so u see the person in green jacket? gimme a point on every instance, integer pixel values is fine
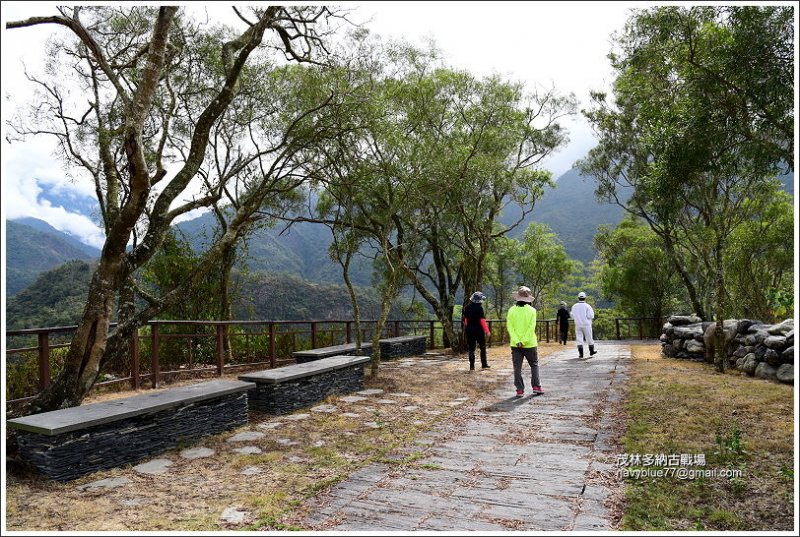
(521, 325)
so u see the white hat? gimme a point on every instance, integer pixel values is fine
(581, 295)
(523, 294)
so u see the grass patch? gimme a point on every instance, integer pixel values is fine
(739, 424)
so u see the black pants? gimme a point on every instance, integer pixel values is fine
(563, 334)
(472, 339)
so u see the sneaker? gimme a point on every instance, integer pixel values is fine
(520, 393)
(487, 366)
(538, 389)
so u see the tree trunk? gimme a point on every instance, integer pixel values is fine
(83, 360)
(687, 282)
(389, 293)
(720, 358)
(353, 300)
(225, 303)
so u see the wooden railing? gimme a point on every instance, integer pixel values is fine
(639, 327)
(168, 348)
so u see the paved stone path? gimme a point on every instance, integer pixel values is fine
(504, 463)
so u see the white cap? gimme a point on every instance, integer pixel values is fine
(581, 295)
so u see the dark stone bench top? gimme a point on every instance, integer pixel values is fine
(83, 417)
(332, 351)
(401, 339)
(291, 372)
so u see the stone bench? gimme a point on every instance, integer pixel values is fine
(72, 442)
(285, 389)
(396, 347)
(348, 349)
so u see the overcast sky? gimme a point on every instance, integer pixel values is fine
(560, 44)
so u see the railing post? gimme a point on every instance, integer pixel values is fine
(491, 331)
(313, 334)
(44, 361)
(616, 321)
(348, 329)
(272, 345)
(641, 335)
(154, 365)
(220, 349)
(397, 329)
(433, 336)
(136, 382)
(547, 331)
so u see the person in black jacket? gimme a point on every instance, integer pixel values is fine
(476, 330)
(563, 323)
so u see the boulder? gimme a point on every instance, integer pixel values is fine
(790, 338)
(775, 342)
(760, 352)
(694, 347)
(709, 341)
(745, 324)
(750, 364)
(740, 363)
(758, 327)
(772, 357)
(756, 337)
(785, 373)
(782, 329)
(663, 338)
(680, 320)
(668, 351)
(678, 344)
(787, 357)
(690, 331)
(766, 371)
(741, 352)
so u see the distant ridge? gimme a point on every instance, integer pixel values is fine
(34, 246)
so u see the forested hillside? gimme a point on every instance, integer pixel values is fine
(33, 246)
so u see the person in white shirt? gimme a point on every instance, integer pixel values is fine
(582, 313)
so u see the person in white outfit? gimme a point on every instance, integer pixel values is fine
(582, 313)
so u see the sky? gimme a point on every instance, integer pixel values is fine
(542, 44)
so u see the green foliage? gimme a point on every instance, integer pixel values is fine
(759, 263)
(56, 298)
(694, 137)
(541, 262)
(635, 272)
(22, 372)
(171, 266)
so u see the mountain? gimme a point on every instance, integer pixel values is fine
(33, 246)
(302, 250)
(55, 298)
(280, 296)
(572, 212)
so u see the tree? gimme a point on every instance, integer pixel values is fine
(541, 262)
(501, 275)
(698, 146)
(635, 272)
(760, 262)
(157, 86)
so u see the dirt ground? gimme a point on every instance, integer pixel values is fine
(298, 456)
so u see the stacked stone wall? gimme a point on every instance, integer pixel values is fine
(758, 349)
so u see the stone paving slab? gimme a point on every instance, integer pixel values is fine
(513, 464)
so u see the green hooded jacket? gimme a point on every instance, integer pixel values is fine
(521, 325)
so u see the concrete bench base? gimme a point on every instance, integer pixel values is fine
(286, 389)
(397, 347)
(348, 349)
(63, 448)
